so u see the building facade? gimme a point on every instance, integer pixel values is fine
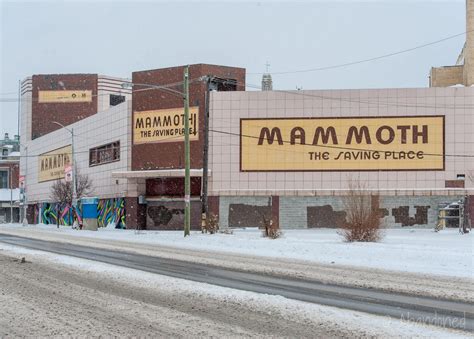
(292, 156)
(9, 179)
(137, 176)
(295, 156)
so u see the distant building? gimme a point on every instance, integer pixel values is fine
(267, 83)
(9, 176)
(462, 73)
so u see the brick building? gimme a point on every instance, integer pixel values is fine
(293, 156)
(273, 153)
(9, 176)
(138, 182)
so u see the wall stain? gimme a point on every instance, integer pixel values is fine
(162, 216)
(241, 215)
(402, 215)
(324, 216)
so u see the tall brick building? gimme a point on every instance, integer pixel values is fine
(292, 156)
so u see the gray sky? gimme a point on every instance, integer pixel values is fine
(117, 38)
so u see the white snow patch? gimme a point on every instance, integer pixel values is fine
(446, 253)
(373, 325)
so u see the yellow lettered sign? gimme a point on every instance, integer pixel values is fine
(164, 125)
(64, 96)
(51, 164)
(342, 144)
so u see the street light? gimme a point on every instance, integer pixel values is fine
(187, 164)
(73, 165)
(11, 192)
(25, 196)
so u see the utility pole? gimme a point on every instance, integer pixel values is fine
(73, 165)
(25, 194)
(19, 108)
(205, 165)
(187, 179)
(11, 194)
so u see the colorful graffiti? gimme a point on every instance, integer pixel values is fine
(111, 211)
(48, 213)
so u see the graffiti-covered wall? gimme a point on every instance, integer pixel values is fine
(109, 211)
(49, 213)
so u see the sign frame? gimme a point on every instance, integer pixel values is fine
(443, 117)
(65, 96)
(41, 177)
(139, 140)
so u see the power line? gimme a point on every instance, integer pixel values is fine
(377, 102)
(258, 137)
(365, 60)
(158, 87)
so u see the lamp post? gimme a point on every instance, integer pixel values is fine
(73, 165)
(187, 164)
(11, 194)
(23, 189)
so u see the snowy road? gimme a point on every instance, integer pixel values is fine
(40, 300)
(54, 295)
(377, 302)
(446, 258)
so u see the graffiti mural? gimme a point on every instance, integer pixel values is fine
(111, 211)
(49, 213)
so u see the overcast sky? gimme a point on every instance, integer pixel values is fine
(117, 38)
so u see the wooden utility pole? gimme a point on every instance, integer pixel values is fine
(187, 164)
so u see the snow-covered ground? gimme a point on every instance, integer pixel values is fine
(356, 324)
(446, 253)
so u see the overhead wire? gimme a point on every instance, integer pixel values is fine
(106, 94)
(252, 137)
(365, 60)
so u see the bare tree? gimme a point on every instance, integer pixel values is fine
(363, 220)
(61, 191)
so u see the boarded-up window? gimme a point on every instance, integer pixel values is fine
(104, 154)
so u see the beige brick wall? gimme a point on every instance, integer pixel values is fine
(446, 76)
(227, 108)
(101, 128)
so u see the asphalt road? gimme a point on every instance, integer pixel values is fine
(459, 315)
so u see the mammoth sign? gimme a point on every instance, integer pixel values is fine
(51, 165)
(342, 144)
(164, 125)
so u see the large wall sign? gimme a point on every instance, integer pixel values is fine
(164, 125)
(342, 144)
(64, 96)
(51, 165)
